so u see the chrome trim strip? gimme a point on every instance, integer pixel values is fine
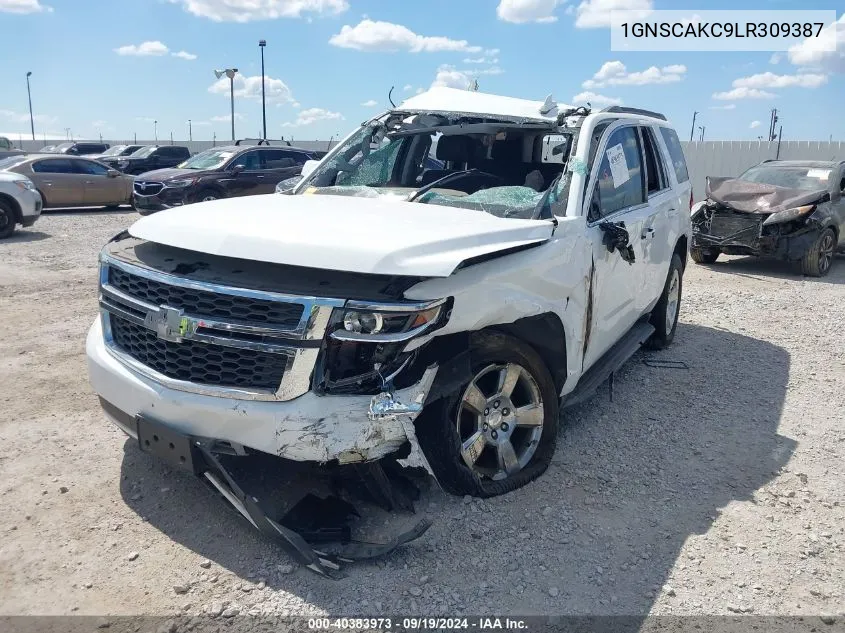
(394, 307)
(396, 337)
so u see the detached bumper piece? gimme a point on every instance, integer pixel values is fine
(317, 521)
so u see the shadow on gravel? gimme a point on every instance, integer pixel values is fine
(776, 269)
(124, 210)
(599, 533)
(26, 235)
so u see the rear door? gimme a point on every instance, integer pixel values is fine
(281, 164)
(59, 182)
(100, 188)
(616, 196)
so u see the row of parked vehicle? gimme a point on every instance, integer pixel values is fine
(150, 178)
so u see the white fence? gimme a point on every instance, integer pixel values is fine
(194, 146)
(731, 158)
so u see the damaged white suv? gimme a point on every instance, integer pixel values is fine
(438, 311)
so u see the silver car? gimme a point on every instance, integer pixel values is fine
(20, 203)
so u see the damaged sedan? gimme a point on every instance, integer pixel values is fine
(430, 294)
(788, 209)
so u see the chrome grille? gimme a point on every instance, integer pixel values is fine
(209, 338)
(208, 304)
(147, 188)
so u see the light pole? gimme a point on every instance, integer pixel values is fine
(701, 138)
(692, 129)
(29, 96)
(190, 132)
(230, 73)
(155, 128)
(261, 45)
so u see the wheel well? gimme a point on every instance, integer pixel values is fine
(681, 248)
(545, 333)
(13, 204)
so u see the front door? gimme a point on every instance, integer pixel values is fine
(100, 188)
(246, 174)
(615, 201)
(59, 182)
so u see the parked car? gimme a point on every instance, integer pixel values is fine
(788, 209)
(7, 148)
(152, 157)
(47, 149)
(221, 172)
(388, 310)
(116, 152)
(20, 203)
(72, 181)
(81, 149)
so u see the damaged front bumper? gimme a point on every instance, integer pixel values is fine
(343, 429)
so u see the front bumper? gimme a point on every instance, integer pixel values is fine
(309, 428)
(167, 198)
(789, 247)
(31, 205)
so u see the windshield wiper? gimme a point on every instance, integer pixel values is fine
(447, 178)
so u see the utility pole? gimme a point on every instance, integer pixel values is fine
(190, 132)
(780, 135)
(773, 125)
(67, 133)
(134, 138)
(692, 129)
(701, 137)
(29, 96)
(261, 45)
(230, 73)
(155, 129)
(171, 138)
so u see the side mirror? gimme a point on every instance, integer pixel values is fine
(238, 169)
(309, 167)
(112, 173)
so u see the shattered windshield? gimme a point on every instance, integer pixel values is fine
(498, 167)
(806, 178)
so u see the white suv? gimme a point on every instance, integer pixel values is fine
(20, 203)
(435, 289)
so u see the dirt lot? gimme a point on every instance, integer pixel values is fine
(713, 489)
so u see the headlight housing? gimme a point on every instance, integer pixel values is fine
(787, 215)
(390, 323)
(179, 184)
(25, 183)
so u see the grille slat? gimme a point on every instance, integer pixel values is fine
(199, 363)
(230, 308)
(148, 188)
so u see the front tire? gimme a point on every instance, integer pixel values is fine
(207, 195)
(7, 220)
(664, 317)
(819, 258)
(498, 431)
(701, 255)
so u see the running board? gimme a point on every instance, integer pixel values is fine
(612, 360)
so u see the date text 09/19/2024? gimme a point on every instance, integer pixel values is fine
(418, 624)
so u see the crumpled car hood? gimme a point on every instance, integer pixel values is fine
(373, 236)
(755, 197)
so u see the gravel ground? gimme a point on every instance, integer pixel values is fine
(713, 489)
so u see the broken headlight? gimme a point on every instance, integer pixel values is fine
(787, 215)
(390, 323)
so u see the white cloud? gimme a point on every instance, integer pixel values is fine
(593, 14)
(249, 10)
(250, 88)
(372, 36)
(771, 80)
(225, 118)
(775, 58)
(727, 106)
(808, 53)
(522, 11)
(23, 117)
(449, 77)
(616, 74)
(408, 88)
(595, 99)
(371, 103)
(23, 6)
(484, 59)
(743, 93)
(312, 115)
(755, 124)
(145, 49)
(184, 55)
(419, 90)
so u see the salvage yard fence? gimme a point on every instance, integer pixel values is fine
(731, 158)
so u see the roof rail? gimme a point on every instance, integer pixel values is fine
(624, 110)
(261, 141)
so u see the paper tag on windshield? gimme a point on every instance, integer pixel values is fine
(618, 165)
(821, 174)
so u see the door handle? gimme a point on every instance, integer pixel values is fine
(649, 232)
(260, 176)
(89, 182)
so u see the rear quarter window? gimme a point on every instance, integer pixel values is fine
(676, 153)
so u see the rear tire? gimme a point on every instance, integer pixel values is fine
(664, 317)
(701, 255)
(8, 220)
(446, 428)
(818, 259)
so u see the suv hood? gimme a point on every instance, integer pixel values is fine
(171, 172)
(331, 232)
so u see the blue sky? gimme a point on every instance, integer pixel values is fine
(115, 66)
